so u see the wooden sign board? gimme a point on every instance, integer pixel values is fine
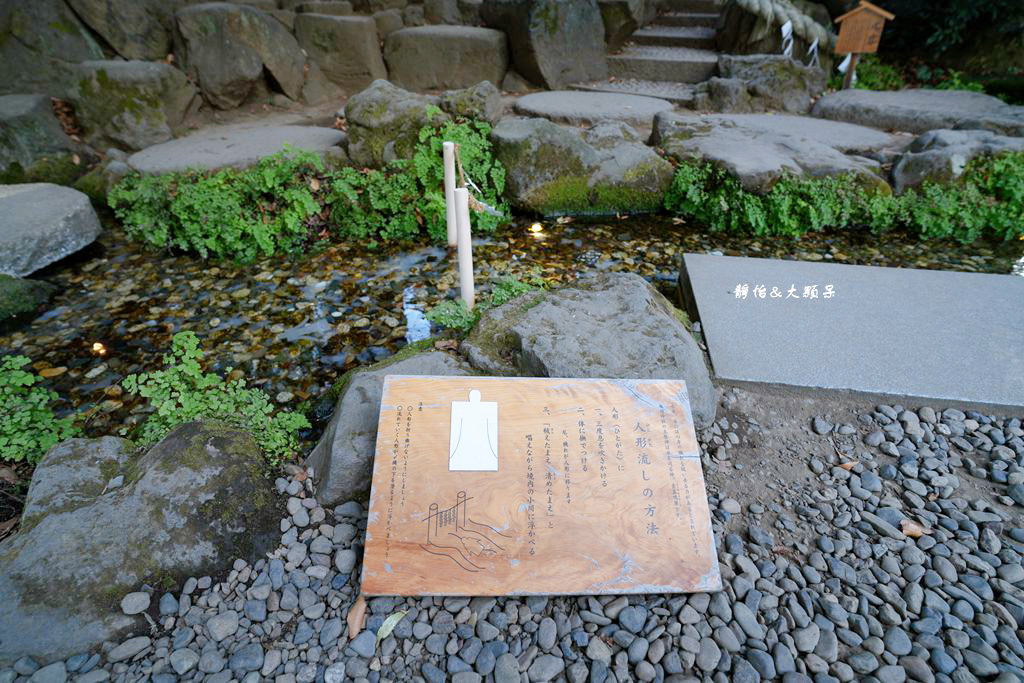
(522, 486)
(860, 29)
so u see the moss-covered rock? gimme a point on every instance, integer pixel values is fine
(193, 502)
(560, 170)
(33, 146)
(384, 122)
(755, 83)
(131, 105)
(20, 297)
(227, 47)
(40, 43)
(481, 101)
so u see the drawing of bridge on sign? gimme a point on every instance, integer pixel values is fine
(453, 534)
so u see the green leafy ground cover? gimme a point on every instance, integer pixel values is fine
(292, 200)
(986, 201)
(28, 426)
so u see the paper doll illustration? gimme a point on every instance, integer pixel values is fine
(452, 533)
(473, 445)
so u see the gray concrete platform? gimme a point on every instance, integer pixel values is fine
(899, 331)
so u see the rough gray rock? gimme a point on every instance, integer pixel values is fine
(436, 57)
(226, 47)
(759, 148)
(756, 83)
(136, 29)
(940, 156)
(586, 108)
(188, 505)
(343, 458)
(42, 223)
(21, 297)
(918, 111)
(346, 48)
(33, 146)
(552, 42)
(621, 19)
(388, 21)
(40, 43)
(615, 325)
(131, 105)
(555, 170)
(384, 122)
(481, 101)
(235, 146)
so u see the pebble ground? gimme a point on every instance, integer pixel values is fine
(886, 548)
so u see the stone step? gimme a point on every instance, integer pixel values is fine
(676, 93)
(709, 19)
(707, 6)
(656, 63)
(699, 37)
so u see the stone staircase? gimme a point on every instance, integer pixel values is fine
(668, 57)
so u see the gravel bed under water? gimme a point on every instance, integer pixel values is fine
(293, 324)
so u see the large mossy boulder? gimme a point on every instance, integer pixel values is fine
(226, 48)
(20, 297)
(384, 122)
(614, 325)
(346, 48)
(342, 460)
(756, 83)
(437, 57)
(481, 101)
(40, 43)
(621, 19)
(42, 223)
(556, 170)
(552, 42)
(33, 145)
(135, 29)
(131, 105)
(759, 149)
(101, 520)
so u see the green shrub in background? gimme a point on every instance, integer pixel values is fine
(28, 427)
(872, 74)
(290, 200)
(453, 314)
(987, 200)
(182, 392)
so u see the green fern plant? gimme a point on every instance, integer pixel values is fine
(28, 427)
(182, 392)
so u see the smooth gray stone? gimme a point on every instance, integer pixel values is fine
(579, 107)
(235, 146)
(42, 223)
(884, 330)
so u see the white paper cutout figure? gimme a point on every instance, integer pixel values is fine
(473, 444)
(813, 52)
(787, 38)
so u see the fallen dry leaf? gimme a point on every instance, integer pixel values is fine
(447, 345)
(52, 372)
(300, 476)
(6, 527)
(848, 465)
(911, 528)
(314, 184)
(8, 475)
(356, 617)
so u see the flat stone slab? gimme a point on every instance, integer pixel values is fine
(918, 111)
(759, 148)
(922, 333)
(41, 223)
(581, 108)
(235, 146)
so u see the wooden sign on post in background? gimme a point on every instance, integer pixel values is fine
(860, 30)
(523, 486)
